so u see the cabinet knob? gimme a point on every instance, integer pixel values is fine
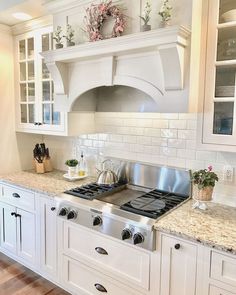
(177, 246)
(53, 208)
(100, 288)
(13, 214)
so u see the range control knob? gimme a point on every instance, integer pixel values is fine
(138, 238)
(63, 211)
(72, 215)
(97, 221)
(126, 234)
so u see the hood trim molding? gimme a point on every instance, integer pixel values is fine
(162, 48)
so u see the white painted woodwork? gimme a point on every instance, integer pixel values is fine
(223, 268)
(125, 262)
(178, 267)
(26, 248)
(218, 291)
(48, 237)
(142, 60)
(26, 199)
(8, 228)
(81, 279)
(210, 140)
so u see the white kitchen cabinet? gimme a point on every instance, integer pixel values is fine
(48, 237)
(34, 86)
(178, 267)
(218, 291)
(18, 232)
(219, 122)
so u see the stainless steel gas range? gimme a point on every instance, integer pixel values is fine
(129, 209)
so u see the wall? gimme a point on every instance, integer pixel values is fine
(160, 138)
(15, 149)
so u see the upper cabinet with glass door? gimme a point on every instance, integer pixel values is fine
(34, 86)
(219, 125)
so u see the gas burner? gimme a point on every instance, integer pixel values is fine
(94, 191)
(154, 203)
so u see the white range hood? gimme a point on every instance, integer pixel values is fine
(153, 62)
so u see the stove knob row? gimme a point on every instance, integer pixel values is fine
(126, 234)
(138, 238)
(63, 211)
(72, 214)
(97, 220)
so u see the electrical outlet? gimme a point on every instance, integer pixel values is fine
(228, 173)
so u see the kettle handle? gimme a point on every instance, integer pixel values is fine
(105, 161)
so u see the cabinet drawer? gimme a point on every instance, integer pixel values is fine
(83, 280)
(127, 263)
(17, 197)
(223, 268)
(218, 291)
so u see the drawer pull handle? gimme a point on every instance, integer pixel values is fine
(101, 251)
(100, 288)
(13, 214)
(18, 215)
(15, 195)
(177, 246)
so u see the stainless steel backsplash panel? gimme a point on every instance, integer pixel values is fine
(169, 179)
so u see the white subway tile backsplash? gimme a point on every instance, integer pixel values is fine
(177, 143)
(178, 124)
(116, 137)
(188, 116)
(192, 124)
(206, 156)
(187, 134)
(144, 123)
(152, 132)
(167, 151)
(130, 138)
(169, 133)
(191, 144)
(171, 116)
(160, 124)
(186, 154)
(145, 140)
(176, 162)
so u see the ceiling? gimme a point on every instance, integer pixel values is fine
(31, 7)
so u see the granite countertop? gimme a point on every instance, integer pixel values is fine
(215, 227)
(51, 183)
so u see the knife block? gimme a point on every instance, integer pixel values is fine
(47, 165)
(39, 167)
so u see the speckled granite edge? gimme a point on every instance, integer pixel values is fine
(215, 227)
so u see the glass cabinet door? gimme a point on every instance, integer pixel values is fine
(220, 93)
(49, 115)
(27, 80)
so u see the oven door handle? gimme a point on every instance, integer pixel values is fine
(101, 251)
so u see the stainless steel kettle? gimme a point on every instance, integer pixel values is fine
(106, 176)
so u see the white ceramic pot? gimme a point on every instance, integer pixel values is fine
(71, 171)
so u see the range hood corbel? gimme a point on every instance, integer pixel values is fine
(152, 62)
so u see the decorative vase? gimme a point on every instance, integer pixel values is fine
(71, 171)
(145, 28)
(70, 43)
(59, 45)
(204, 194)
(164, 24)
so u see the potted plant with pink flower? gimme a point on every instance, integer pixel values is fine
(204, 181)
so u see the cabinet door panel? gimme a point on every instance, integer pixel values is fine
(178, 267)
(26, 235)
(8, 228)
(48, 236)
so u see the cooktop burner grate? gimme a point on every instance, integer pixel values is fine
(93, 190)
(154, 203)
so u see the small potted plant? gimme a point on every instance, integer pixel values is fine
(71, 167)
(203, 184)
(58, 37)
(70, 34)
(146, 17)
(165, 13)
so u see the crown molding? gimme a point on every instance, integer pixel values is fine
(5, 29)
(31, 25)
(57, 6)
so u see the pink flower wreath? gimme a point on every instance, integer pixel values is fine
(97, 14)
